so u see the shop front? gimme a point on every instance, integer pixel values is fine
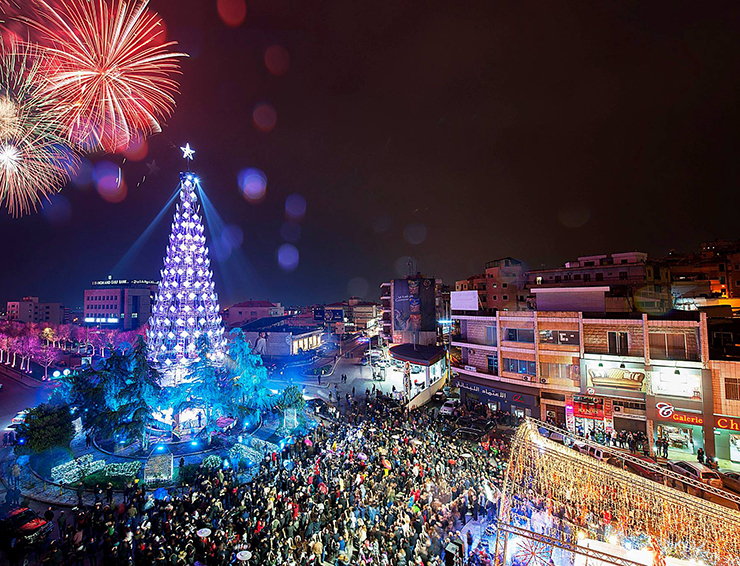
(498, 398)
(682, 428)
(727, 437)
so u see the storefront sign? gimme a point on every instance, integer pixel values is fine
(727, 423)
(608, 415)
(516, 398)
(570, 419)
(668, 412)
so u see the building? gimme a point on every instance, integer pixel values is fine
(588, 371)
(29, 309)
(364, 314)
(119, 303)
(506, 288)
(276, 339)
(250, 310)
(411, 309)
(620, 282)
(715, 269)
(475, 283)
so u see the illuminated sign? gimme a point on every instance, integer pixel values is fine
(666, 411)
(727, 423)
(613, 375)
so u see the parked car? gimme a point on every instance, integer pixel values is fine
(448, 407)
(696, 471)
(24, 525)
(731, 480)
(484, 424)
(643, 471)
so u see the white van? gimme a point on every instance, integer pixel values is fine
(698, 472)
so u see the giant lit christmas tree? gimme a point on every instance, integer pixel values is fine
(186, 306)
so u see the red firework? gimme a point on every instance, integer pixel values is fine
(110, 70)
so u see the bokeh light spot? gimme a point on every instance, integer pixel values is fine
(277, 60)
(415, 233)
(136, 150)
(295, 206)
(287, 257)
(109, 182)
(252, 184)
(232, 12)
(358, 287)
(290, 231)
(574, 216)
(264, 117)
(57, 211)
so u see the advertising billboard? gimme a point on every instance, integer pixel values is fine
(671, 382)
(328, 315)
(464, 300)
(414, 305)
(615, 376)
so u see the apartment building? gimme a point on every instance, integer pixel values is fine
(506, 285)
(30, 309)
(248, 311)
(604, 371)
(475, 283)
(619, 282)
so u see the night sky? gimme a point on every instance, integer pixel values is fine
(452, 132)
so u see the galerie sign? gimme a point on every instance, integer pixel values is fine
(668, 412)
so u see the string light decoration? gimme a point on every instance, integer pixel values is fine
(186, 306)
(554, 490)
(534, 553)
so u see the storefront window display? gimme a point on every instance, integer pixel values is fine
(589, 415)
(727, 437)
(682, 430)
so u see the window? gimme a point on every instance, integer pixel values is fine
(599, 277)
(538, 281)
(667, 346)
(618, 343)
(520, 366)
(587, 277)
(559, 337)
(493, 365)
(504, 285)
(494, 285)
(506, 297)
(561, 371)
(577, 277)
(732, 388)
(519, 335)
(491, 335)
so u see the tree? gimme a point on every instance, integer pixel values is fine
(48, 334)
(46, 426)
(249, 375)
(141, 394)
(47, 355)
(209, 388)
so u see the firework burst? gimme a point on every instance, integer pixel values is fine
(109, 69)
(35, 160)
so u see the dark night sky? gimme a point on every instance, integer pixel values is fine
(541, 130)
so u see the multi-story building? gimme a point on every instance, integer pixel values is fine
(621, 282)
(248, 311)
(716, 266)
(474, 283)
(411, 308)
(506, 285)
(600, 372)
(29, 309)
(119, 303)
(365, 314)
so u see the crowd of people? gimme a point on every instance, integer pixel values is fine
(369, 487)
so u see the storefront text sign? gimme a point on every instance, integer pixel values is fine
(668, 412)
(728, 423)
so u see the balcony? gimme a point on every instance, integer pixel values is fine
(460, 340)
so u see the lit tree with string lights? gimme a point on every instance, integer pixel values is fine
(186, 306)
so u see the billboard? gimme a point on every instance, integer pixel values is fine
(615, 376)
(414, 306)
(464, 300)
(328, 315)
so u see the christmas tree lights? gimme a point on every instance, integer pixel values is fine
(186, 306)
